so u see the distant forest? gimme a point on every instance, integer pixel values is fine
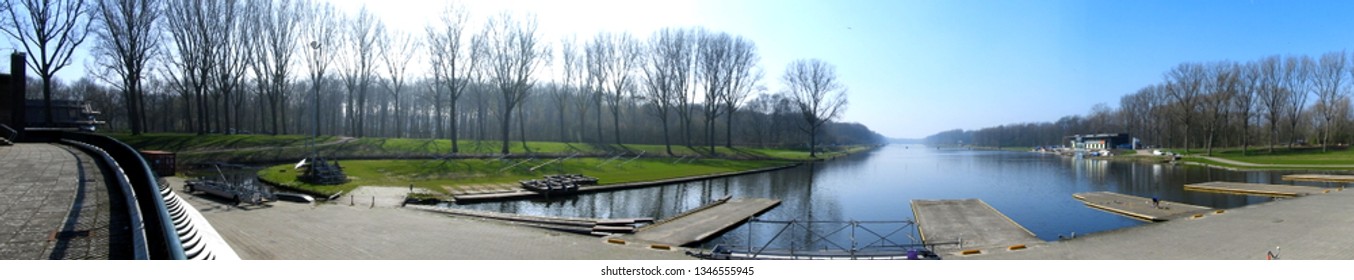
(1272, 101)
(297, 66)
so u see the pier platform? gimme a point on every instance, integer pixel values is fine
(1269, 190)
(702, 223)
(1138, 207)
(975, 225)
(1327, 178)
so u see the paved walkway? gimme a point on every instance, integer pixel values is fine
(1310, 227)
(1263, 165)
(54, 204)
(296, 231)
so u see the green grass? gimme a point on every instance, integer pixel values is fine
(442, 176)
(1220, 164)
(1284, 155)
(281, 148)
(184, 142)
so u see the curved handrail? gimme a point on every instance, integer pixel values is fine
(140, 251)
(162, 238)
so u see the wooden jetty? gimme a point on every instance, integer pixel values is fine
(1138, 207)
(1328, 178)
(972, 223)
(702, 223)
(1255, 189)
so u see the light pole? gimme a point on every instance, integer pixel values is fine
(315, 129)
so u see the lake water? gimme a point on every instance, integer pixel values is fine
(1034, 190)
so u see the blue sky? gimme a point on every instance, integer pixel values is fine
(914, 68)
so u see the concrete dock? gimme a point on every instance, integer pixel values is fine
(977, 227)
(1138, 207)
(702, 223)
(1327, 178)
(1307, 228)
(1269, 190)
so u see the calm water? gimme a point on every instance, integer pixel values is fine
(1035, 190)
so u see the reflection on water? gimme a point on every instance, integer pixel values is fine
(1035, 190)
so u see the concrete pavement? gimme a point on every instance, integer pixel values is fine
(55, 203)
(295, 231)
(1311, 227)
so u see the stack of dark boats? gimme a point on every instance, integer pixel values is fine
(558, 184)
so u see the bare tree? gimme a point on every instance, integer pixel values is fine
(193, 35)
(50, 31)
(515, 53)
(667, 74)
(1297, 76)
(563, 89)
(1186, 84)
(817, 94)
(1221, 87)
(713, 65)
(276, 27)
(228, 62)
(323, 36)
(358, 66)
(742, 80)
(454, 61)
(125, 41)
(597, 56)
(1244, 101)
(617, 58)
(396, 50)
(1273, 96)
(1329, 82)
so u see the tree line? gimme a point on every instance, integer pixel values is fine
(304, 67)
(1272, 101)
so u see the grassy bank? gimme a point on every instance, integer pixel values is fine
(1297, 158)
(282, 148)
(1213, 163)
(1283, 155)
(443, 176)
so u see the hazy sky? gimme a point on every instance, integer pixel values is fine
(914, 68)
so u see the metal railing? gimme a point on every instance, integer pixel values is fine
(162, 238)
(9, 133)
(862, 240)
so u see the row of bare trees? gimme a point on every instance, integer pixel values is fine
(301, 66)
(1282, 100)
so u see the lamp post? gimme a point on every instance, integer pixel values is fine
(315, 129)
